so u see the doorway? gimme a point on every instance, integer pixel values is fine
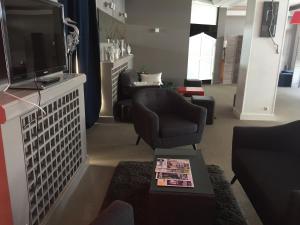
(202, 45)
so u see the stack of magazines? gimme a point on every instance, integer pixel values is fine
(174, 173)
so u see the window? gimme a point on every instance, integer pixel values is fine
(203, 13)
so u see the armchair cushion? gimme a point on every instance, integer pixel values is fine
(268, 178)
(128, 77)
(171, 125)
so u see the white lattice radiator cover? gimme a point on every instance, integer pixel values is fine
(51, 162)
(45, 154)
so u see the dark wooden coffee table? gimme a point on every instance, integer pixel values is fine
(184, 206)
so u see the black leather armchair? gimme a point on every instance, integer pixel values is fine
(118, 213)
(164, 119)
(266, 161)
(127, 90)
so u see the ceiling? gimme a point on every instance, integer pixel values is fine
(229, 3)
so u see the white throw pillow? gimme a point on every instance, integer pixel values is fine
(152, 79)
(140, 84)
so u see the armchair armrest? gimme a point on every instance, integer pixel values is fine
(293, 215)
(118, 213)
(146, 122)
(267, 138)
(194, 113)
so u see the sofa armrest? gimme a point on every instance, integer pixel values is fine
(293, 211)
(146, 122)
(118, 213)
(267, 138)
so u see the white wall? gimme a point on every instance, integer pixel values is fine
(296, 59)
(234, 25)
(287, 54)
(259, 67)
(166, 51)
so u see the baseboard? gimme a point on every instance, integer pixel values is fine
(106, 119)
(257, 116)
(253, 116)
(236, 113)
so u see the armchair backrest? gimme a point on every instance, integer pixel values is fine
(159, 100)
(128, 77)
(126, 81)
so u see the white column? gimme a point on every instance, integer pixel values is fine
(296, 60)
(260, 65)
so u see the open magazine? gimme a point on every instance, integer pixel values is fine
(174, 173)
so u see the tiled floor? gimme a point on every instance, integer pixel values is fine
(110, 143)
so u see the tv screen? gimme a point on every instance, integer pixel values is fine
(36, 38)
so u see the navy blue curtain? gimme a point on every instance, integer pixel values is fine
(84, 13)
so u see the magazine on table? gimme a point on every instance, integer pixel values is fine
(175, 183)
(173, 165)
(173, 173)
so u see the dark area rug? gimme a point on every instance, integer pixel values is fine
(131, 182)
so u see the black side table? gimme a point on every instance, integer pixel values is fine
(209, 103)
(178, 206)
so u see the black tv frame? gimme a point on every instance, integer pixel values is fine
(31, 76)
(3, 32)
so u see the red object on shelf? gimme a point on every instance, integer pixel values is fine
(190, 91)
(296, 18)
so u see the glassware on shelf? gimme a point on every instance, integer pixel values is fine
(123, 47)
(110, 53)
(117, 53)
(128, 49)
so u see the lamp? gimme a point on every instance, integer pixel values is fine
(296, 18)
(111, 5)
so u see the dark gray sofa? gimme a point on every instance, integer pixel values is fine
(164, 119)
(118, 213)
(266, 161)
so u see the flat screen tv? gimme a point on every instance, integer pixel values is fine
(36, 38)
